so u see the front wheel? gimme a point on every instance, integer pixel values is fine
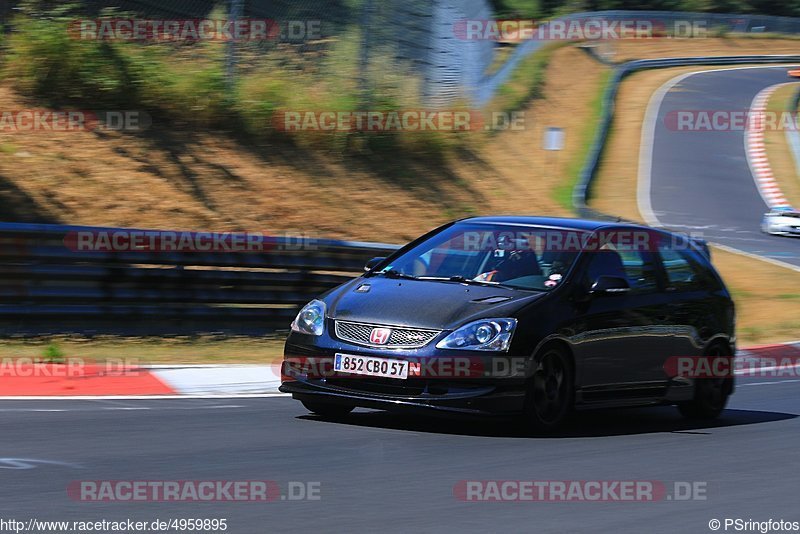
(328, 410)
(710, 394)
(550, 393)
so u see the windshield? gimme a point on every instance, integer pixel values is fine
(520, 257)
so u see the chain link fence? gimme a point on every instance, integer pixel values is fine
(381, 37)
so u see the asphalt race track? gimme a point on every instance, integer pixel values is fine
(396, 473)
(700, 181)
(381, 472)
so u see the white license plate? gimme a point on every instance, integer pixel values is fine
(370, 366)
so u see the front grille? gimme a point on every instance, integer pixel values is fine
(400, 338)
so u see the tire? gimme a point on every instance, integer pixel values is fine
(710, 394)
(550, 392)
(328, 410)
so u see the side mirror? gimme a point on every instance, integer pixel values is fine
(610, 285)
(371, 264)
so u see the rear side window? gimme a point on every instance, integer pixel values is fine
(682, 269)
(640, 270)
(638, 267)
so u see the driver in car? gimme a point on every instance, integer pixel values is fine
(516, 263)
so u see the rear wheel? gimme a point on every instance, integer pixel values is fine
(328, 410)
(710, 394)
(550, 394)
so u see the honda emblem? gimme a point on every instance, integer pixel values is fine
(379, 336)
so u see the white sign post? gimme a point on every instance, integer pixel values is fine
(553, 142)
(554, 139)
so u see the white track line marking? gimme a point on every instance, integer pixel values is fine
(759, 372)
(768, 383)
(646, 144)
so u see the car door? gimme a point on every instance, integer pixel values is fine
(690, 301)
(625, 337)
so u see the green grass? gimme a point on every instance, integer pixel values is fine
(526, 83)
(740, 293)
(8, 149)
(753, 333)
(186, 84)
(53, 353)
(563, 193)
(530, 9)
(42, 60)
(764, 35)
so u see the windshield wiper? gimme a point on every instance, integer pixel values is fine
(470, 281)
(393, 273)
(463, 280)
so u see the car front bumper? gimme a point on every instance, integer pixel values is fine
(784, 231)
(447, 381)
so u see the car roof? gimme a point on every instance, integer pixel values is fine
(557, 222)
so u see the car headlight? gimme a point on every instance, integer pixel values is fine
(311, 319)
(484, 334)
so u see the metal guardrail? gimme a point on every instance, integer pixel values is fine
(49, 286)
(483, 92)
(582, 190)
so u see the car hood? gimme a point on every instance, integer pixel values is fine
(423, 303)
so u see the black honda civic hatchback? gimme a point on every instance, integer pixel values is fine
(528, 316)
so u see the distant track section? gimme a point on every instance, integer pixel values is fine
(700, 181)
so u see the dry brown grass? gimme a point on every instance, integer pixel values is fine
(172, 178)
(767, 297)
(513, 170)
(731, 46)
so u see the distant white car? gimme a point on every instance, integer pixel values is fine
(781, 222)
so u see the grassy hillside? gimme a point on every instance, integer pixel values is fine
(196, 173)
